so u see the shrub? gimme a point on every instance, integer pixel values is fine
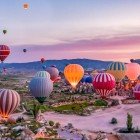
(100, 102)
(70, 125)
(115, 103)
(51, 123)
(57, 125)
(114, 121)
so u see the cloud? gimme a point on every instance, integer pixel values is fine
(114, 48)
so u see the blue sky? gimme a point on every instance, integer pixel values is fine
(68, 23)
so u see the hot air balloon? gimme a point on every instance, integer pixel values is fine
(4, 31)
(24, 50)
(136, 91)
(9, 101)
(132, 71)
(4, 52)
(43, 74)
(41, 88)
(132, 60)
(44, 67)
(25, 6)
(88, 79)
(42, 60)
(103, 84)
(54, 73)
(73, 73)
(84, 78)
(118, 70)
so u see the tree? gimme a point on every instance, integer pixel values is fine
(129, 122)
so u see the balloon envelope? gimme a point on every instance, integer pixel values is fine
(42, 60)
(73, 73)
(44, 67)
(4, 52)
(136, 91)
(104, 83)
(9, 101)
(41, 88)
(54, 73)
(89, 79)
(84, 78)
(24, 50)
(118, 70)
(43, 74)
(25, 6)
(4, 31)
(132, 71)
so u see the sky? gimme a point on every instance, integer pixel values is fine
(67, 29)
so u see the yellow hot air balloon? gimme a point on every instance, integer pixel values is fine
(73, 73)
(118, 70)
(133, 71)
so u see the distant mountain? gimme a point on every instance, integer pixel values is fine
(60, 64)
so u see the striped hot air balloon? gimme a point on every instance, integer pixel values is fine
(40, 88)
(104, 83)
(43, 74)
(132, 71)
(118, 70)
(136, 91)
(4, 52)
(54, 73)
(73, 73)
(9, 101)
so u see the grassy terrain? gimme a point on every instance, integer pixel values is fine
(71, 107)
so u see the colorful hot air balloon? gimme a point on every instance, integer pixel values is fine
(103, 84)
(132, 71)
(73, 73)
(4, 52)
(9, 101)
(118, 70)
(25, 6)
(42, 60)
(4, 31)
(136, 91)
(24, 50)
(54, 73)
(41, 88)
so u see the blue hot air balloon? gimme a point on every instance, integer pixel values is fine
(88, 79)
(40, 88)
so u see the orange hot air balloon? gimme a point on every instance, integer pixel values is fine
(132, 71)
(73, 73)
(25, 6)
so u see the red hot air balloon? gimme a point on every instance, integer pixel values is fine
(42, 60)
(136, 91)
(4, 52)
(9, 101)
(103, 84)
